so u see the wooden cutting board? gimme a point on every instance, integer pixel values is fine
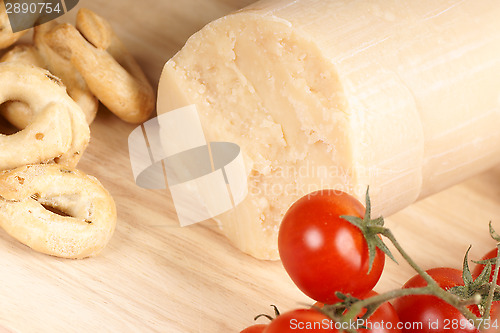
(156, 276)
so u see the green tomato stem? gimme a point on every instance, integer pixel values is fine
(432, 289)
(436, 290)
(349, 310)
(493, 287)
(382, 298)
(389, 235)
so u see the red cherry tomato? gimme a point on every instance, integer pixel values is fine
(258, 328)
(492, 324)
(324, 253)
(425, 313)
(384, 320)
(302, 320)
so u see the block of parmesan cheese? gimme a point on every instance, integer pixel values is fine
(401, 95)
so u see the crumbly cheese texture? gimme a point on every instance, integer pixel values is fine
(399, 95)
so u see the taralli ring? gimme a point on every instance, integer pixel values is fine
(63, 69)
(58, 131)
(110, 71)
(19, 113)
(7, 37)
(25, 54)
(41, 55)
(30, 197)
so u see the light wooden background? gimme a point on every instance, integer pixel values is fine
(156, 276)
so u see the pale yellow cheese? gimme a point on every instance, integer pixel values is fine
(403, 96)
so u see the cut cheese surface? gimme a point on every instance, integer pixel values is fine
(399, 95)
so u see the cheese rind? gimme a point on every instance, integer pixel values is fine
(398, 95)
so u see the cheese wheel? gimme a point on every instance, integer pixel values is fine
(403, 96)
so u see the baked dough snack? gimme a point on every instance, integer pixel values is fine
(19, 113)
(23, 53)
(44, 202)
(58, 131)
(7, 37)
(62, 68)
(41, 55)
(110, 71)
(29, 195)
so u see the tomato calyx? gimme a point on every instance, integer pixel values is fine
(338, 310)
(371, 229)
(474, 292)
(478, 288)
(493, 284)
(491, 261)
(271, 318)
(494, 234)
(494, 291)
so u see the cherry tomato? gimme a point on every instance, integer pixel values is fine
(258, 328)
(322, 252)
(478, 269)
(492, 325)
(426, 313)
(383, 320)
(301, 320)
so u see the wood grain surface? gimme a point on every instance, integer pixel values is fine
(157, 277)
